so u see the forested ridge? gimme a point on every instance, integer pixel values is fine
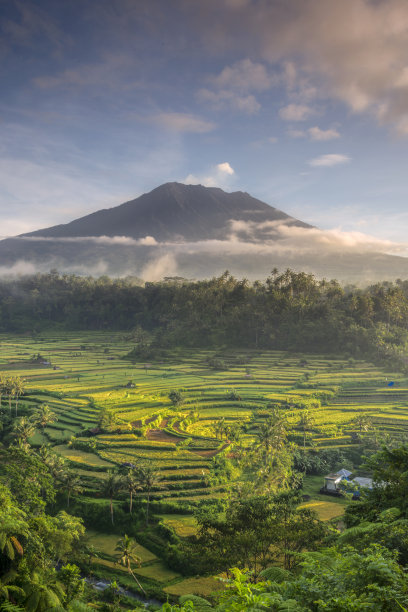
(292, 311)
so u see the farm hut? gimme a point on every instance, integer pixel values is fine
(367, 483)
(345, 474)
(331, 483)
(361, 483)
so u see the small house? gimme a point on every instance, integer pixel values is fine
(345, 474)
(362, 482)
(331, 482)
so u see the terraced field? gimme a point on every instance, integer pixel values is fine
(84, 375)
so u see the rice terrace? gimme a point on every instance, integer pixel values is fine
(183, 413)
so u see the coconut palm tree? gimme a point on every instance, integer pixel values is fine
(131, 484)
(3, 380)
(126, 556)
(9, 389)
(18, 389)
(23, 429)
(111, 487)
(305, 422)
(363, 422)
(44, 416)
(272, 434)
(148, 476)
(72, 485)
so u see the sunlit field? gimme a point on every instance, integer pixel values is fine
(84, 375)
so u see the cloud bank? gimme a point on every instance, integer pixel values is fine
(354, 51)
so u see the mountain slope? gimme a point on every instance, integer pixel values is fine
(199, 232)
(174, 211)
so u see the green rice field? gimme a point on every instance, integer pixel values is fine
(86, 374)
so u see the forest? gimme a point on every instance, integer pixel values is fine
(289, 310)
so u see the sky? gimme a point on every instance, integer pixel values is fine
(301, 103)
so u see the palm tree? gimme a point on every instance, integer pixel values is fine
(148, 476)
(272, 433)
(111, 488)
(9, 389)
(127, 555)
(72, 484)
(45, 416)
(23, 429)
(18, 389)
(131, 485)
(54, 462)
(306, 421)
(363, 422)
(3, 380)
(91, 552)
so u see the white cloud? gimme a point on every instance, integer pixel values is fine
(220, 176)
(225, 167)
(316, 133)
(156, 269)
(224, 99)
(244, 75)
(296, 112)
(331, 159)
(183, 122)
(232, 87)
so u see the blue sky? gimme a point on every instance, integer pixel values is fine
(301, 103)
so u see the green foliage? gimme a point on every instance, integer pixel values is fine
(176, 397)
(256, 532)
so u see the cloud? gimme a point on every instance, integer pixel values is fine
(109, 240)
(290, 238)
(353, 51)
(220, 176)
(223, 99)
(244, 75)
(232, 87)
(20, 268)
(156, 269)
(225, 168)
(296, 112)
(183, 122)
(331, 159)
(106, 74)
(316, 133)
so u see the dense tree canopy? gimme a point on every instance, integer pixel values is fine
(289, 310)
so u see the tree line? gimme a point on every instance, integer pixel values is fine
(290, 310)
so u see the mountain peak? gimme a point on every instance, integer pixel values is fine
(173, 211)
